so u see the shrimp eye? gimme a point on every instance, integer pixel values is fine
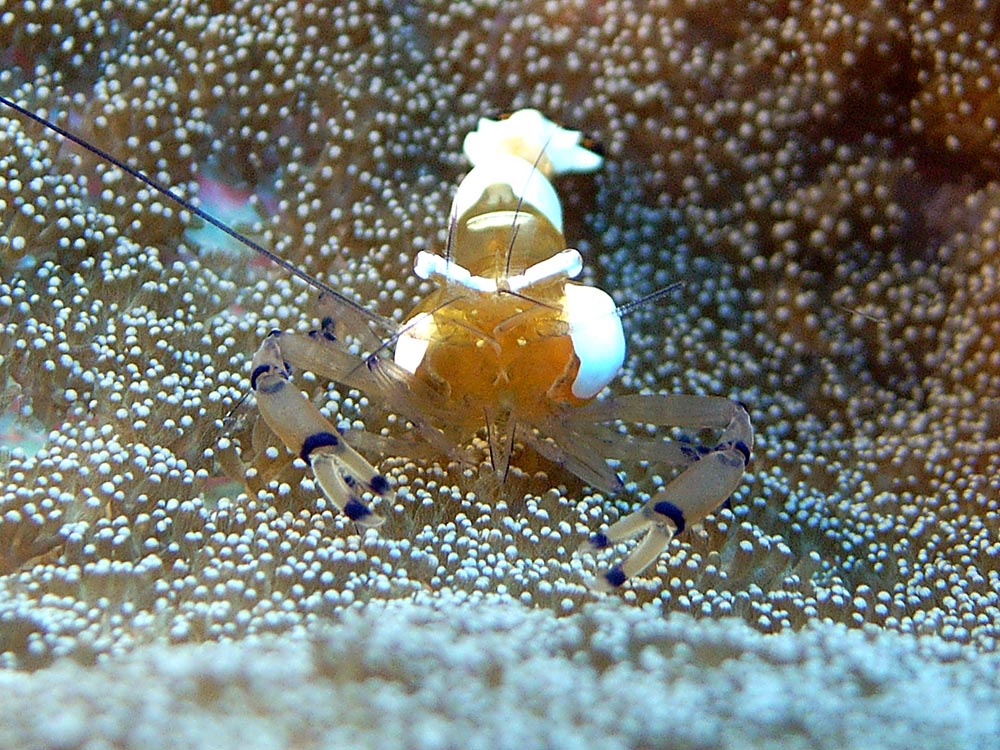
(593, 145)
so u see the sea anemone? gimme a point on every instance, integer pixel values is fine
(821, 177)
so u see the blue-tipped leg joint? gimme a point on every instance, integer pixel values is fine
(357, 510)
(599, 541)
(615, 577)
(673, 513)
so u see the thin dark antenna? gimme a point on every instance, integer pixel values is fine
(489, 436)
(526, 298)
(396, 335)
(230, 416)
(867, 316)
(520, 201)
(513, 238)
(187, 205)
(452, 226)
(628, 307)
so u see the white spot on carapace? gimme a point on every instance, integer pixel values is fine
(528, 133)
(566, 264)
(524, 180)
(598, 338)
(411, 346)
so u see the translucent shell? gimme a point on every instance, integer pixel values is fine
(510, 341)
(506, 332)
(520, 357)
(497, 354)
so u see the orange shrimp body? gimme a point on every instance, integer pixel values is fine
(499, 354)
(507, 337)
(497, 350)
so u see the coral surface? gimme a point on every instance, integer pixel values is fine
(822, 178)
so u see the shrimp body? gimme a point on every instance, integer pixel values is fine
(507, 337)
(508, 341)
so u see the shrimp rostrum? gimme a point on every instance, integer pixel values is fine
(509, 342)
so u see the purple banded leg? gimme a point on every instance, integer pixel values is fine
(342, 473)
(712, 477)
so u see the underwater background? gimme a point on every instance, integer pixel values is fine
(822, 177)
